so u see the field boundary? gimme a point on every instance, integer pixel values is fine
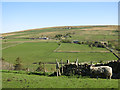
(12, 45)
(57, 48)
(83, 51)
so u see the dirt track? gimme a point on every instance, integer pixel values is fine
(83, 51)
(11, 45)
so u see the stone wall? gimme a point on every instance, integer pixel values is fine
(84, 69)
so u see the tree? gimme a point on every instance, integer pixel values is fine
(2, 59)
(66, 41)
(90, 45)
(40, 67)
(68, 35)
(58, 36)
(18, 64)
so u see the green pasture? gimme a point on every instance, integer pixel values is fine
(8, 44)
(29, 52)
(48, 67)
(14, 40)
(44, 52)
(82, 57)
(94, 37)
(71, 47)
(14, 80)
(18, 40)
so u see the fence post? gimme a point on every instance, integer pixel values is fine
(61, 66)
(77, 62)
(57, 68)
(44, 67)
(68, 62)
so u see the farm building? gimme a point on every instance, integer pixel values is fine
(105, 42)
(76, 41)
(41, 38)
(1, 37)
(44, 38)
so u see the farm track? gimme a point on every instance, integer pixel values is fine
(82, 52)
(114, 52)
(12, 45)
(30, 41)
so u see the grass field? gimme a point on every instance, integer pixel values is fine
(29, 52)
(39, 51)
(12, 80)
(33, 51)
(5, 45)
(66, 47)
(42, 51)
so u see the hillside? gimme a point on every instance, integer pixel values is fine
(15, 80)
(20, 44)
(46, 45)
(77, 32)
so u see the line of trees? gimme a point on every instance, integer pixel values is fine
(60, 36)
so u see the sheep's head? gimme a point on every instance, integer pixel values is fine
(92, 69)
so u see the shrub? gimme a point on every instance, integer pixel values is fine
(58, 36)
(2, 59)
(18, 65)
(59, 43)
(66, 41)
(40, 67)
(109, 45)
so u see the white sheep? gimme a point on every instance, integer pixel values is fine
(101, 70)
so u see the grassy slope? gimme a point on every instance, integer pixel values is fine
(35, 52)
(83, 57)
(9, 44)
(66, 47)
(34, 81)
(39, 51)
(80, 33)
(29, 52)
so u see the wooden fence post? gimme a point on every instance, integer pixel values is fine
(44, 67)
(61, 66)
(68, 62)
(76, 62)
(57, 67)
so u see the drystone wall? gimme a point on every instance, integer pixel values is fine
(74, 68)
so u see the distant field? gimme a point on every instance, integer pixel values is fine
(31, 52)
(12, 80)
(44, 52)
(5, 45)
(25, 40)
(66, 47)
(77, 32)
(82, 57)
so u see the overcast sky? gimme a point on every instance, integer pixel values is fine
(18, 16)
